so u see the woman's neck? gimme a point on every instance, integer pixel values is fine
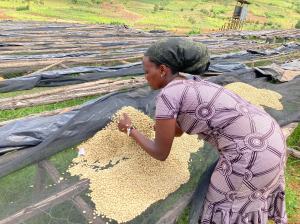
(173, 77)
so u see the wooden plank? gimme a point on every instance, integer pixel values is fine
(294, 152)
(288, 129)
(44, 69)
(40, 178)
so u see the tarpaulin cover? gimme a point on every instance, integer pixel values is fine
(42, 137)
(219, 63)
(83, 74)
(72, 128)
(69, 76)
(280, 73)
(254, 53)
(45, 56)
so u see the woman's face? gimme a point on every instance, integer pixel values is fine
(153, 73)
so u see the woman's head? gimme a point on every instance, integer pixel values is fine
(156, 74)
(167, 57)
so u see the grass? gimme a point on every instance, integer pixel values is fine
(294, 138)
(292, 189)
(22, 112)
(24, 92)
(293, 179)
(176, 15)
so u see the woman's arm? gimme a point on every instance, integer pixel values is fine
(178, 131)
(164, 135)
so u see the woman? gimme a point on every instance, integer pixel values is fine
(247, 185)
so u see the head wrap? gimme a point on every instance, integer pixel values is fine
(180, 55)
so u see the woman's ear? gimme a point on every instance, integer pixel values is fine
(165, 70)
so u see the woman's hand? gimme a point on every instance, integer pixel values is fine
(160, 147)
(124, 123)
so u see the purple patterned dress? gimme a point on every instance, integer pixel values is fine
(247, 185)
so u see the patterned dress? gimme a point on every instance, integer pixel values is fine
(247, 185)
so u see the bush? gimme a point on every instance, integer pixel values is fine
(194, 31)
(155, 8)
(297, 26)
(268, 15)
(96, 2)
(117, 23)
(297, 7)
(204, 11)
(192, 20)
(22, 8)
(268, 23)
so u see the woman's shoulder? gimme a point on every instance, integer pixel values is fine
(174, 87)
(178, 85)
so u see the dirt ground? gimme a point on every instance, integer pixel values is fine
(3, 16)
(118, 9)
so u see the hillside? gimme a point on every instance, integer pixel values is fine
(190, 16)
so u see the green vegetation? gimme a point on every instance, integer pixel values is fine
(24, 92)
(293, 178)
(176, 16)
(22, 112)
(292, 189)
(294, 139)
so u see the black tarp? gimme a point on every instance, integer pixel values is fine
(69, 76)
(83, 74)
(254, 53)
(35, 131)
(280, 73)
(43, 137)
(67, 130)
(219, 63)
(46, 56)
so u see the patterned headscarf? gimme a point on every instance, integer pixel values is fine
(180, 55)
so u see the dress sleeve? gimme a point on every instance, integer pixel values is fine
(167, 106)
